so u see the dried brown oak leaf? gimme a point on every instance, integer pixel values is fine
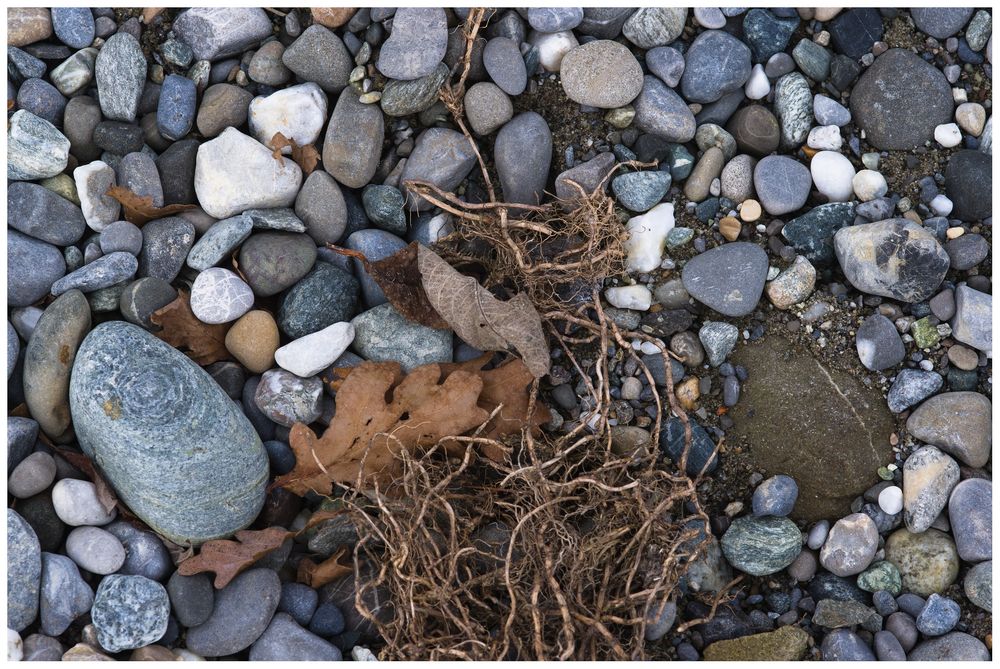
(479, 318)
(228, 558)
(317, 575)
(306, 157)
(202, 342)
(380, 412)
(140, 209)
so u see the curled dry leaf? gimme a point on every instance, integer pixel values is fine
(317, 575)
(227, 558)
(202, 342)
(140, 209)
(479, 318)
(306, 157)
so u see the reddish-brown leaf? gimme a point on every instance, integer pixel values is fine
(317, 575)
(202, 342)
(140, 209)
(105, 495)
(306, 157)
(227, 558)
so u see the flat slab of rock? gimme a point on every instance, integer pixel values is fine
(813, 405)
(167, 438)
(729, 278)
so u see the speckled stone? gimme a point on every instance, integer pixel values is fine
(958, 423)
(911, 387)
(35, 148)
(166, 243)
(602, 73)
(218, 295)
(952, 647)
(104, 272)
(216, 32)
(129, 612)
(325, 296)
(970, 509)
(171, 443)
(274, 261)
(287, 399)
(42, 214)
(24, 571)
(383, 334)
(927, 562)
(761, 546)
(120, 72)
(850, 546)
(32, 267)
(402, 98)
(353, 143)
(219, 242)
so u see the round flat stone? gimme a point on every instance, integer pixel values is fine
(505, 65)
(782, 184)
(729, 278)
(602, 73)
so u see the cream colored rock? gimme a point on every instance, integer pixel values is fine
(310, 355)
(647, 235)
(793, 285)
(297, 112)
(948, 135)
(253, 339)
(928, 478)
(971, 118)
(824, 14)
(629, 297)
(552, 47)
(869, 185)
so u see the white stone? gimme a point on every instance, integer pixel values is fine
(629, 297)
(76, 503)
(185, 655)
(986, 140)
(220, 296)
(297, 112)
(647, 235)
(959, 95)
(758, 85)
(649, 348)
(825, 137)
(552, 47)
(971, 117)
(234, 172)
(832, 173)
(361, 654)
(711, 18)
(869, 185)
(948, 135)
(890, 500)
(92, 182)
(830, 112)
(310, 355)
(941, 205)
(15, 647)
(96, 550)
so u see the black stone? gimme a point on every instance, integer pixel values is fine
(702, 446)
(830, 586)
(766, 33)
(667, 322)
(176, 168)
(855, 31)
(812, 233)
(969, 183)
(118, 137)
(325, 296)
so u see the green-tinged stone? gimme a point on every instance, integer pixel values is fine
(761, 546)
(681, 162)
(62, 185)
(382, 334)
(679, 237)
(882, 575)
(884, 474)
(927, 562)
(834, 613)
(787, 644)
(924, 334)
(402, 98)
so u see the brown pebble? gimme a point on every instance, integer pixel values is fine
(27, 25)
(81, 652)
(688, 392)
(332, 17)
(153, 654)
(963, 357)
(253, 339)
(730, 228)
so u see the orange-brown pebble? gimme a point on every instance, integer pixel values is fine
(332, 17)
(688, 392)
(81, 652)
(730, 228)
(253, 339)
(153, 654)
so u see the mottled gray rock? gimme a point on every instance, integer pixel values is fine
(32, 267)
(75, 73)
(95, 549)
(145, 554)
(958, 423)
(941, 22)
(129, 612)
(120, 72)
(927, 562)
(64, 595)
(894, 258)
(881, 101)
(878, 343)
(523, 154)
(843, 645)
(850, 546)
(928, 478)
(716, 63)
(911, 387)
(761, 546)
(812, 233)
(319, 55)
(325, 296)
(121, 236)
(970, 509)
(42, 214)
(775, 496)
(655, 26)
(243, 610)
(285, 640)
(793, 108)
(219, 243)
(835, 613)
(33, 475)
(952, 647)
(403, 98)
(729, 278)
(701, 456)
(602, 73)
(440, 156)
(417, 43)
(216, 32)
(274, 261)
(220, 296)
(105, 271)
(382, 334)
(662, 112)
(287, 399)
(35, 148)
(718, 338)
(353, 143)
(202, 471)
(41, 648)
(973, 320)
(978, 585)
(640, 191)
(24, 570)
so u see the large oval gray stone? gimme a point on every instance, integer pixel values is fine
(353, 143)
(523, 155)
(32, 267)
(173, 445)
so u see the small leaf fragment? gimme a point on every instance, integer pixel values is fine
(140, 209)
(202, 342)
(317, 575)
(227, 558)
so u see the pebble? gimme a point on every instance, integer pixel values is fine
(33, 266)
(969, 182)
(928, 478)
(850, 546)
(234, 173)
(487, 108)
(972, 323)
(554, 19)
(641, 191)
(602, 73)
(129, 612)
(27, 25)
(978, 585)
(121, 236)
(939, 616)
(833, 175)
(716, 63)
(145, 554)
(24, 569)
(403, 98)
(43, 100)
(881, 576)
(782, 184)
(878, 343)
(64, 595)
(322, 208)
(74, 74)
(311, 354)
(222, 105)
(274, 261)
(660, 620)
(736, 181)
(219, 242)
(41, 648)
(32, 475)
(220, 296)
(927, 562)
(767, 32)
(297, 112)
(869, 185)
(650, 27)
(440, 156)
(266, 66)
(888, 648)
(761, 546)
(105, 271)
(793, 108)
(911, 280)
(666, 63)
(952, 647)
(756, 130)
(175, 113)
(96, 550)
(173, 491)
(718, 339)
(287, 399)
(647, 235)
(940, 22)
(416, 45)
(833, 613)
(242, 612)
(505, 66)
(523, 155)
(382, 334)
(775, 496)
(319, 55)
(298, 601)
(701, 457)
(192, 598)
(327, 621)
(662, 112)
(142, 297)
(253, 339)
(757, 86)
(958, 423)
(970, 510)
(843, 645)
(44, 215)
(166, 243)
(216, 32)
(729, 278)
(120, 72)
(830, 112)
(74, 26)
(35, 148)
(878, 101)
(286, 640)
(971, 118)
(793, 285)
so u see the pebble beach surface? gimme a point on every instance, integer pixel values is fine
(811, 237)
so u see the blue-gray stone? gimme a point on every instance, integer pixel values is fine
(285, 640)
(121, 236)
(969, 183)
(13, 348)
(120, 138)
(299, 601)
(967, 251)
(192, 598)
(718, 339)
(729, 278)
(767, 34)
(952, 647)
(978, 585)
(775, 496)
(554, 19)
(761, 546)
(243, 610)
(74, 26)
(855, 31)
(911, 387)
(21, 436)
(667, 63)
(972, 323)
(970, 509)
(167, 438)
(22, 65)
(938, 22)
(640, 191)
(939, 615)
(145, 554)
(843, 645)
(280, 456)
(219, 242)
(440, 156)
(662, 112)
(879, 344)
(216, 32)
(177, 106)
(166, 243)
(505, 65)
(811, 234)
(375, 245)
(101, 273)
(24, 572)
(382, 334)
(416, 45)
(384, 206)
(129, 612)
(523, 155)
(279, 219)
(35, 148)
(702, 454)
(319, 55)
(43, 100)
(120, 72)
(325, 296)
(40, 213)
(658, 370)
(813, 59)
(830, 112)
(328, 621)
(716, 63)
(64, 595)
